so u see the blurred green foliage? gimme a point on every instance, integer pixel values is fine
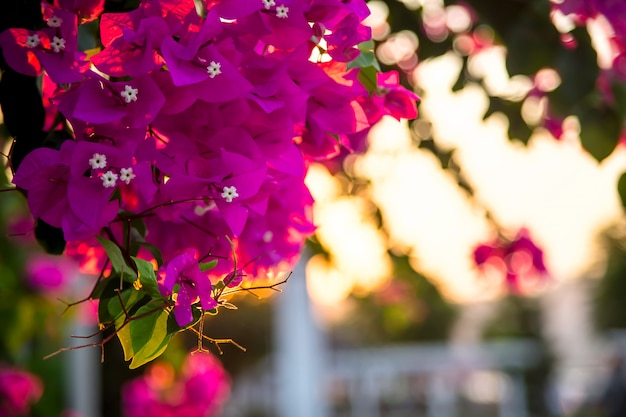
(409, 308)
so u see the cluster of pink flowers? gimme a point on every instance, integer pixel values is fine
(200, 390)
(519, 261)
(199, 124)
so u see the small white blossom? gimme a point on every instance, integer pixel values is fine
(109, 179)
(229, 193)
(98, 161)
(58, 44)
(281, 11)
(54, 22)
(33, 41)
(214, 69)
(268, 3)
(129, 93)
(127, 175)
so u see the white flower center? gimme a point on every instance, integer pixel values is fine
(127, 175)
(58, 44)
(54, 22)
(214, 69)
(268, 236)
(129, 94)
(98, 161)
(229, 193)
(109, 179)
(268, 3)
(281, 11)
(33, 41)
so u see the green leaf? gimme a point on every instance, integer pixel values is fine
(129, 297)
(600, 130)
(367, 77)
(208, 265)
(109, 308)
(149, 334)
(99, 288)
(365, 59)
(107, 293)
(147, 278)
(578, 70)
(140, 226)
(114, 253)
(366, 46)
(154, 251)
(531, 39)
(123, 334)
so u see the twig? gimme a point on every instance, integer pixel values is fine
(68, 305)
(104, 341)
(272, 287)
(216, 342)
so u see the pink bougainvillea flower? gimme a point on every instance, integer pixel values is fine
(277, 236)
(393, 98)
(200, 390)
(133, 103)
(342, 42)
(50, 274)
(18, 391)
(86, 10)
(54, 48)
(44, 173)
(332, 109)
(88, 253)
(18, 48)
(183, 271)
(72, 188)
(199, 125)
(234, 9)
(205, 64)
(135, 52)
(518, 260)
(287, 27)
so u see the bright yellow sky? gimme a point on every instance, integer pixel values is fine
(552, 187)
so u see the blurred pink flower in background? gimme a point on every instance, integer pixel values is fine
(50, 274)
(199, 391)
(519, 260)
(18, 391)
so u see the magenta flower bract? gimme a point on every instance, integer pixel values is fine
(183, 271)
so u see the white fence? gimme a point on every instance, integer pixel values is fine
(433, 380)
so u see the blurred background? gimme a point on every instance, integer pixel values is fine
(468, 263)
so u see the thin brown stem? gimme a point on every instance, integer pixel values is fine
(217, 342)
(101, 343)
(273, 287)
(69, 305)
